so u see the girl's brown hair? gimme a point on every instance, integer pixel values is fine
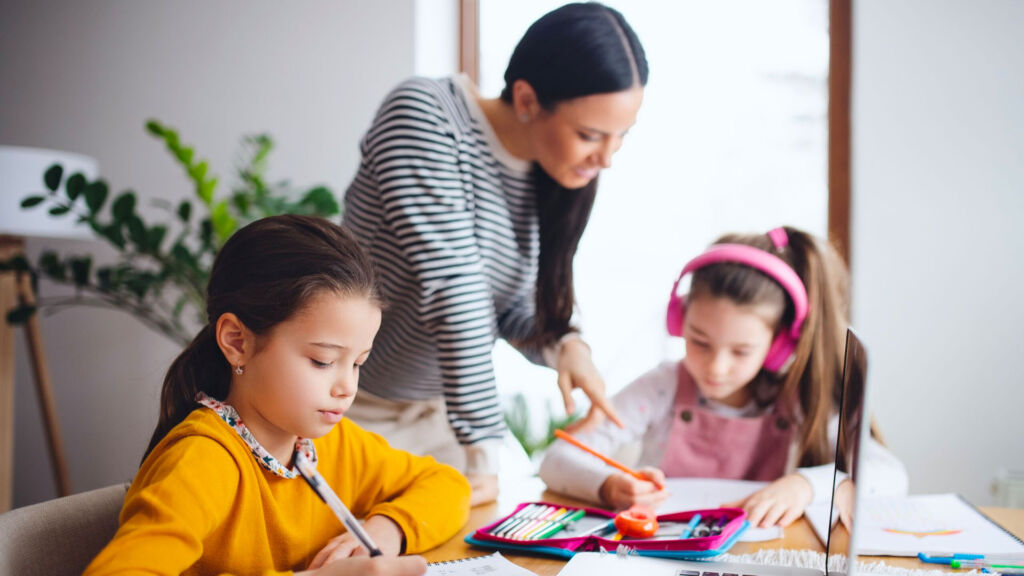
(813, 378)
(264, 274)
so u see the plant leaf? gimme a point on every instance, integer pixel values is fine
(223, 224)
(205, 191)
(31, 201)
(184, 210)
(137, 232)
(75, 185)
(52, 177)
(95, 195)
(123, 206)
(80, 268)
(155, 128)
(59, 210)
(154, 236)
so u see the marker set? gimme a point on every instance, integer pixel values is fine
(561, 531)
(537, 521)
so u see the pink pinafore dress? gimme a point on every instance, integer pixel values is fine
(703, 444)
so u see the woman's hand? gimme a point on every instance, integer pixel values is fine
(621, 490)
(382, 530)
(780, 502)
(379, 566)
(577, 370)
(484, 488)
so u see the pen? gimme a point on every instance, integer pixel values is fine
(319, 485)
(690, 526)
(568, 438)
(957, 564)
(600, 528)
(717, 528)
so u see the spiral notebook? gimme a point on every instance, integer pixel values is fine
(493, 565)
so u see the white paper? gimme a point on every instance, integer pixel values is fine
(695, 493)
(929, 523)
(493, 565)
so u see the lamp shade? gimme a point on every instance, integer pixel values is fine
(21, 175)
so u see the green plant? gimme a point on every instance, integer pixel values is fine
(517, 418)
(161, 282)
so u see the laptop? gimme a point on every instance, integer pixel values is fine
(852, 433)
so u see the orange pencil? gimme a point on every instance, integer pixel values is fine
(609, 461)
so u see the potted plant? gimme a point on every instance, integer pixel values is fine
(161, 268)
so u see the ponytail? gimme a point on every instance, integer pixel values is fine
(201, 367)
(813, 379)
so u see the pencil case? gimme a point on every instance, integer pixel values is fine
(591, 530)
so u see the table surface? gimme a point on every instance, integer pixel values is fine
(798, 536)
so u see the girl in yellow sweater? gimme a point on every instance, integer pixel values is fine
(293, 309)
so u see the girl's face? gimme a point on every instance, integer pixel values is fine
(726, 345)
(576, 140)
(305, 372)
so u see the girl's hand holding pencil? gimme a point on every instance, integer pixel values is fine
(645, 486)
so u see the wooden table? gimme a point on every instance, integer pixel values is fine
(798, 536)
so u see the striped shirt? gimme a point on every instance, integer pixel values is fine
(450, 218)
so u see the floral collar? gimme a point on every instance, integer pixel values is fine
(229, 415)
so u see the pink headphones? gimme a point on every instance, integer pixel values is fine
(785, 342)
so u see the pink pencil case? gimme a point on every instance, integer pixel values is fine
(585, 529)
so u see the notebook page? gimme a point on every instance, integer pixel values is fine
(493, 565)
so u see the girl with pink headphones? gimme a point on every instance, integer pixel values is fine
(764, 324)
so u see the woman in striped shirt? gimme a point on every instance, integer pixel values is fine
(472, 209)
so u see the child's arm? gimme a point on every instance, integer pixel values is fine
(428, 501)
(179, 495)
(644, 401)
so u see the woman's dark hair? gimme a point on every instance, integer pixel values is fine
(264, 274)
(576, 50)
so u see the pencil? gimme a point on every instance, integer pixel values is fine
(609, 461)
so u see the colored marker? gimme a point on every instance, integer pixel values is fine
(533, 523)
(690, 526)
(957, 564)
(522, 512)
(544, 524)
(523, 520)
(560, 525)
(600, 528)
(717, 528)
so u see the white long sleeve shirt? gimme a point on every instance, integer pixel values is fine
(645, 406)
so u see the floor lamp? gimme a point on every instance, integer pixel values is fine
(21, 174)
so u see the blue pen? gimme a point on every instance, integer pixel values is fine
(690, 526)
(991, 558)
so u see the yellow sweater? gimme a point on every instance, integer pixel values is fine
(202, 504)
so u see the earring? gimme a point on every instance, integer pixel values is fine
(239, 370)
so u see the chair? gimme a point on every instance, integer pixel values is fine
(59, 536)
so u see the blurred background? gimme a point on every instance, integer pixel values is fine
(733, 136)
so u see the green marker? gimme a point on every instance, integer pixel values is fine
(980, 563)
(559, 525)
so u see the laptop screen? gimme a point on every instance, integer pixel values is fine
(851, 433)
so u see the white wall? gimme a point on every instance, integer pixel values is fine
(85, 77)
(938, 204)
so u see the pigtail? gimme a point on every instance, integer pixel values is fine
(814, 377)
(201, 367)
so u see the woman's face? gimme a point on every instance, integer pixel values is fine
(576, 140)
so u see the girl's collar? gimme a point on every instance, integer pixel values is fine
(230, 416)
